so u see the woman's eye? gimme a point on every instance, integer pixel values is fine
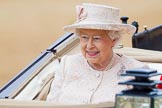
(97, 38)
(84, 37)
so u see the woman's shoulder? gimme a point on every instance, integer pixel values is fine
(72, 59)
(130, 62)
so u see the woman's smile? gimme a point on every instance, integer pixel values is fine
(92, 53)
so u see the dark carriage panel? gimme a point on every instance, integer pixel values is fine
(150, 39)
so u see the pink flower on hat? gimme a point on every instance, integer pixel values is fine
(81, 13)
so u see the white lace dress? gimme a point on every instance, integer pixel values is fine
(77, 83)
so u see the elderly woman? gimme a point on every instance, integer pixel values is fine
(93, 75)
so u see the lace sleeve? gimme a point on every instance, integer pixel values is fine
(57, 82)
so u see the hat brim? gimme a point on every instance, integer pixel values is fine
(122, 28)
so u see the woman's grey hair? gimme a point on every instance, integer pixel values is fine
(114, 35)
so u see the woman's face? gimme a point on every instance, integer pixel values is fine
(96, 46)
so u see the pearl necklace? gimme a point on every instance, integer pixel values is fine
(109, 66)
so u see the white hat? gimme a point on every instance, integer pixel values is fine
(93, 16)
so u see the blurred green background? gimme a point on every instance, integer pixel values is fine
(28, 27)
